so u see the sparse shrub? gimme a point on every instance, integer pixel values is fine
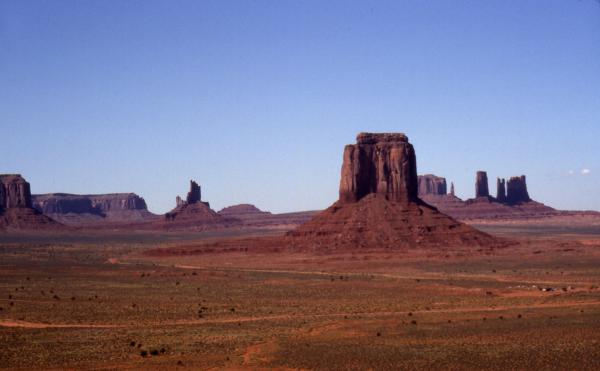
(379, 334)
(132, 344)
(484, 319)
(139, 345)
(413, 322)
(73, 298)
(163, 350)
(519, 316)
(449, 321)
(194, 273)
(154, 352)
(501, 317)
(179, 363)
(56, 297)
(409, 314)
(12, 304)
(232, 310)
(144, 353)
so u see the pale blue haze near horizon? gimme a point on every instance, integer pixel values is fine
(256, 99)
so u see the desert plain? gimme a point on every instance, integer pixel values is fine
(150, 300)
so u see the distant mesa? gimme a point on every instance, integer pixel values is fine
(378, 204)
(430, 184)
(244, 211)
(89, 210)
(252, 216)
(512, 201)
(16, 211)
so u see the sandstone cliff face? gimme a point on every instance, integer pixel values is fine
(501, 190)
(430, 184)
(378, 205)
(383, 164)
(90, 210)
(63, 203)
(516, 190)
(481, 185)
(193, 195)
(15, 191)
(16, 209)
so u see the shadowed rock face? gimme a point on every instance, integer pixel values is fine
(516, 190)
(430, 184)
(16, 209)
(383, 164)
(501, 190)
(193, 195)
(64, 203)
(14, 191)
(481, 185)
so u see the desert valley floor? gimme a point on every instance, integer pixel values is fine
(108, 300)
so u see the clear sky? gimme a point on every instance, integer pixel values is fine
(256, 99)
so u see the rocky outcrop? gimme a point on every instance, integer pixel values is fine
(251, 216)
(378, 205)
(517, 206)
(430, 184)
(15, 191)
(501, 190)
(75, 209)
(243, 211)
(193, 195)
(481, 185)
(516, 190)
(452, 189)
(195, 214)
(382, 164)
(16, 211)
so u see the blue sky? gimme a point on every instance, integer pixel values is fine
(256, 99)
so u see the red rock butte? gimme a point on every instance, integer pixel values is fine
(379, 207)
(16, 209)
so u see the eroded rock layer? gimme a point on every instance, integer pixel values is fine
(430, 184)
(378, 205)
(195, 214)
(16, 211)
(481, 185)
(90, 210)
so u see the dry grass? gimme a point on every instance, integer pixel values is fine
(102, 303)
